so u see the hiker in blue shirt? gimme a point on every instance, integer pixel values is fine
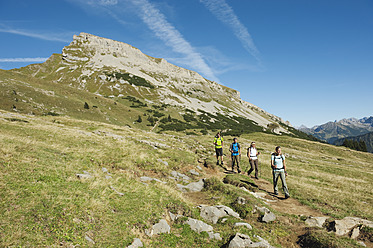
(235, 150)
(279, 170)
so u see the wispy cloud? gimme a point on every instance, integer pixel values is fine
(37, 35)
(12, 60)
(225, 14)
(165, 31)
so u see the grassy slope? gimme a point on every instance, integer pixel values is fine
(44, 204)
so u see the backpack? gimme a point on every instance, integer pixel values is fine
(235, 147)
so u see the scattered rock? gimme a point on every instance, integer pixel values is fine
(355, 233)
(161, 227)
(179, 176)
(242, 241)
(345, 225)
(240, 200)
(85, 175)
(104, 170)
(362, 243)
(116, 191)
(224, 220)
(108, 177)
(192, 187)
(146, 179)
(267, 215)
(89, 239)
(136, 243)
(315, 221)
(199, 167)
(213, 235)
(198, 225)
(161, 161)
(174, 217)
(244, 224)
(213, 213)
(194, 172)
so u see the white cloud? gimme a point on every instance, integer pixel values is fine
(38, 59)
(108, 2)
(42, 36)
(165, 31)
(225, 14)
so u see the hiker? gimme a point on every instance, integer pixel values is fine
(235, 150)
(252, 154)
(218, 142)
(279, 170)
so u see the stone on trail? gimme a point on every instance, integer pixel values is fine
(213, 213)
(199, 167)
(242, 241)
(315, 221)
(244, 224)
(161, 227)
(136, 243)
(89, 239)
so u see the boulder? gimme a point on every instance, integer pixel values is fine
(240, 200)
(136, 243)
(315, 221)
(192, 187)
(174, 217)
(355, 233)
(213, 213)
(267, 215)
(345, 225)
(213, 235)
(243, 224)
(241, 241)
(161, 227)
(198, 225)
(179, 176)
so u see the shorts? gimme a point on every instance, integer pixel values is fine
(219, 151)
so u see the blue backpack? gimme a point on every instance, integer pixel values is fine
(235, 148)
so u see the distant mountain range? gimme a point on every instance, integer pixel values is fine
(351, 128)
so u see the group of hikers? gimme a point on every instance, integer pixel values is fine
(277, 161)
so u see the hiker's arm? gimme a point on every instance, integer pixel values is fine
(283, 162)
(272, 164)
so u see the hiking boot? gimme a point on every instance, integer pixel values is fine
(217, 163)
(287, 196)
(239, 171)
(256, 177)
(222, 163)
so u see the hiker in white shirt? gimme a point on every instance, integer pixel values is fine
(279, 170)
(252, 154)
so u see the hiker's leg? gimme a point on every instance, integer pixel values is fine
(251, 167)
(284, 186)
(232, 158)
(275, 180)
(256, 168)
(238, 163)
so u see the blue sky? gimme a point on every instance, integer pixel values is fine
(308, 62)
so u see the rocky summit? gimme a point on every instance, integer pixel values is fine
(104, 68)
